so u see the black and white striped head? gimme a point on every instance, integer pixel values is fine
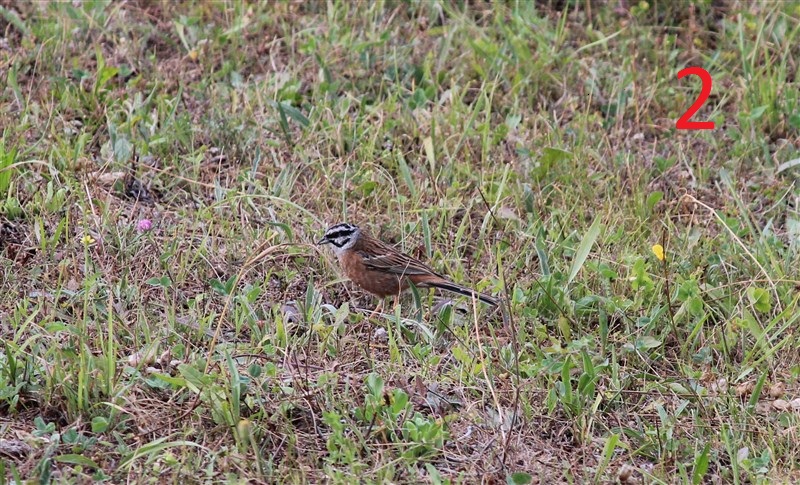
(341, 236)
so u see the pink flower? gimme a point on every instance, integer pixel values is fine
(144, 225)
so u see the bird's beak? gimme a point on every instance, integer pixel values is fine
(324, 240)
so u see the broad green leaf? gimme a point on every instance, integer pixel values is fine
(584, 248)
(647, 342)
(99, 424)
(701, 465)
(375, 384)
(519, 478)
(653, 199)
(759, 298)
(195, 380)
(75, 459)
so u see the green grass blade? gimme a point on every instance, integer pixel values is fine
(584, 248)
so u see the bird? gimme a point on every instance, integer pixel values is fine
(382, 270)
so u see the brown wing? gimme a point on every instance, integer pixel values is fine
(390, 260)
(386, 259)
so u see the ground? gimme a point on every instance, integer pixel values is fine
(166, 169)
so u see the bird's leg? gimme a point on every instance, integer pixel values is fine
(378, 309)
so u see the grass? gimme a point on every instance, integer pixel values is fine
(527, 149)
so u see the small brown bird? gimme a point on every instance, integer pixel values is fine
(383, 270)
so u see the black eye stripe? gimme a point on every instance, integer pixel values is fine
(338, 234)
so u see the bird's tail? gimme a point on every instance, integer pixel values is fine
(462, 290)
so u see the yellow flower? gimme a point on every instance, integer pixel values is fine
(87, 240)
(658, 250)
(245, 427)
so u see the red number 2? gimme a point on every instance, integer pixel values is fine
(683, 122)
